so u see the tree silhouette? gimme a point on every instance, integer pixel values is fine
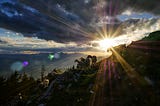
(83, 63)
(94, 60)
(79, 65)
(42, 72)
(88, 62)
(24, 77)
(2, 80)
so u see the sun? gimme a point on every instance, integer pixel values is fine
(107, 43)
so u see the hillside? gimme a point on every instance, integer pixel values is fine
(154, 36)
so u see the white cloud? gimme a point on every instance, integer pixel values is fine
(136, 31)
(130, 14)
(18, 40)
(127, 12)
(132, 31)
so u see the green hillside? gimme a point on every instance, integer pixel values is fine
(155, 36)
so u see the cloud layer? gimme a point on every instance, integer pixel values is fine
(74, 24)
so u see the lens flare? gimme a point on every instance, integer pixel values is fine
(51, 56)
(17, 66)
(57, 55)
(25, 63)
(106, 44)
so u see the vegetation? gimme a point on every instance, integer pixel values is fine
(20, 89)
(155, 36)
(16, 89)
(78, 85)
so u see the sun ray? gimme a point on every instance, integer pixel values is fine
(116, 31)
(97, 98)
(133, 75)
(86, 34)
(100, 33)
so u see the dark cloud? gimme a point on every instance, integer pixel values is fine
(3, 42)
(60, 26)
(144, 5)
(65, 20)
(114, 7)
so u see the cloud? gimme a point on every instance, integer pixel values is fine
(11, 41)
(151, 6)
(2, 42)
(114, 7)
(134, 30)
(127, 12)
(59, 21)
(15, 43)
(33, 43)
(14, 39)
(135, 15)
(50, 23)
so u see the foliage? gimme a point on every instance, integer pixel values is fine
(16, 88)
(155, 36)
(74, 86)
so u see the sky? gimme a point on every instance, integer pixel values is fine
(26, 26)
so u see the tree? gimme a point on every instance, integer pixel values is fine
(88, 62)
(94, 60)
(73, 67)
(42, 72)
(13, 79)
(25, 77)
(2, 80)
(83, 63)
(78, 63)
